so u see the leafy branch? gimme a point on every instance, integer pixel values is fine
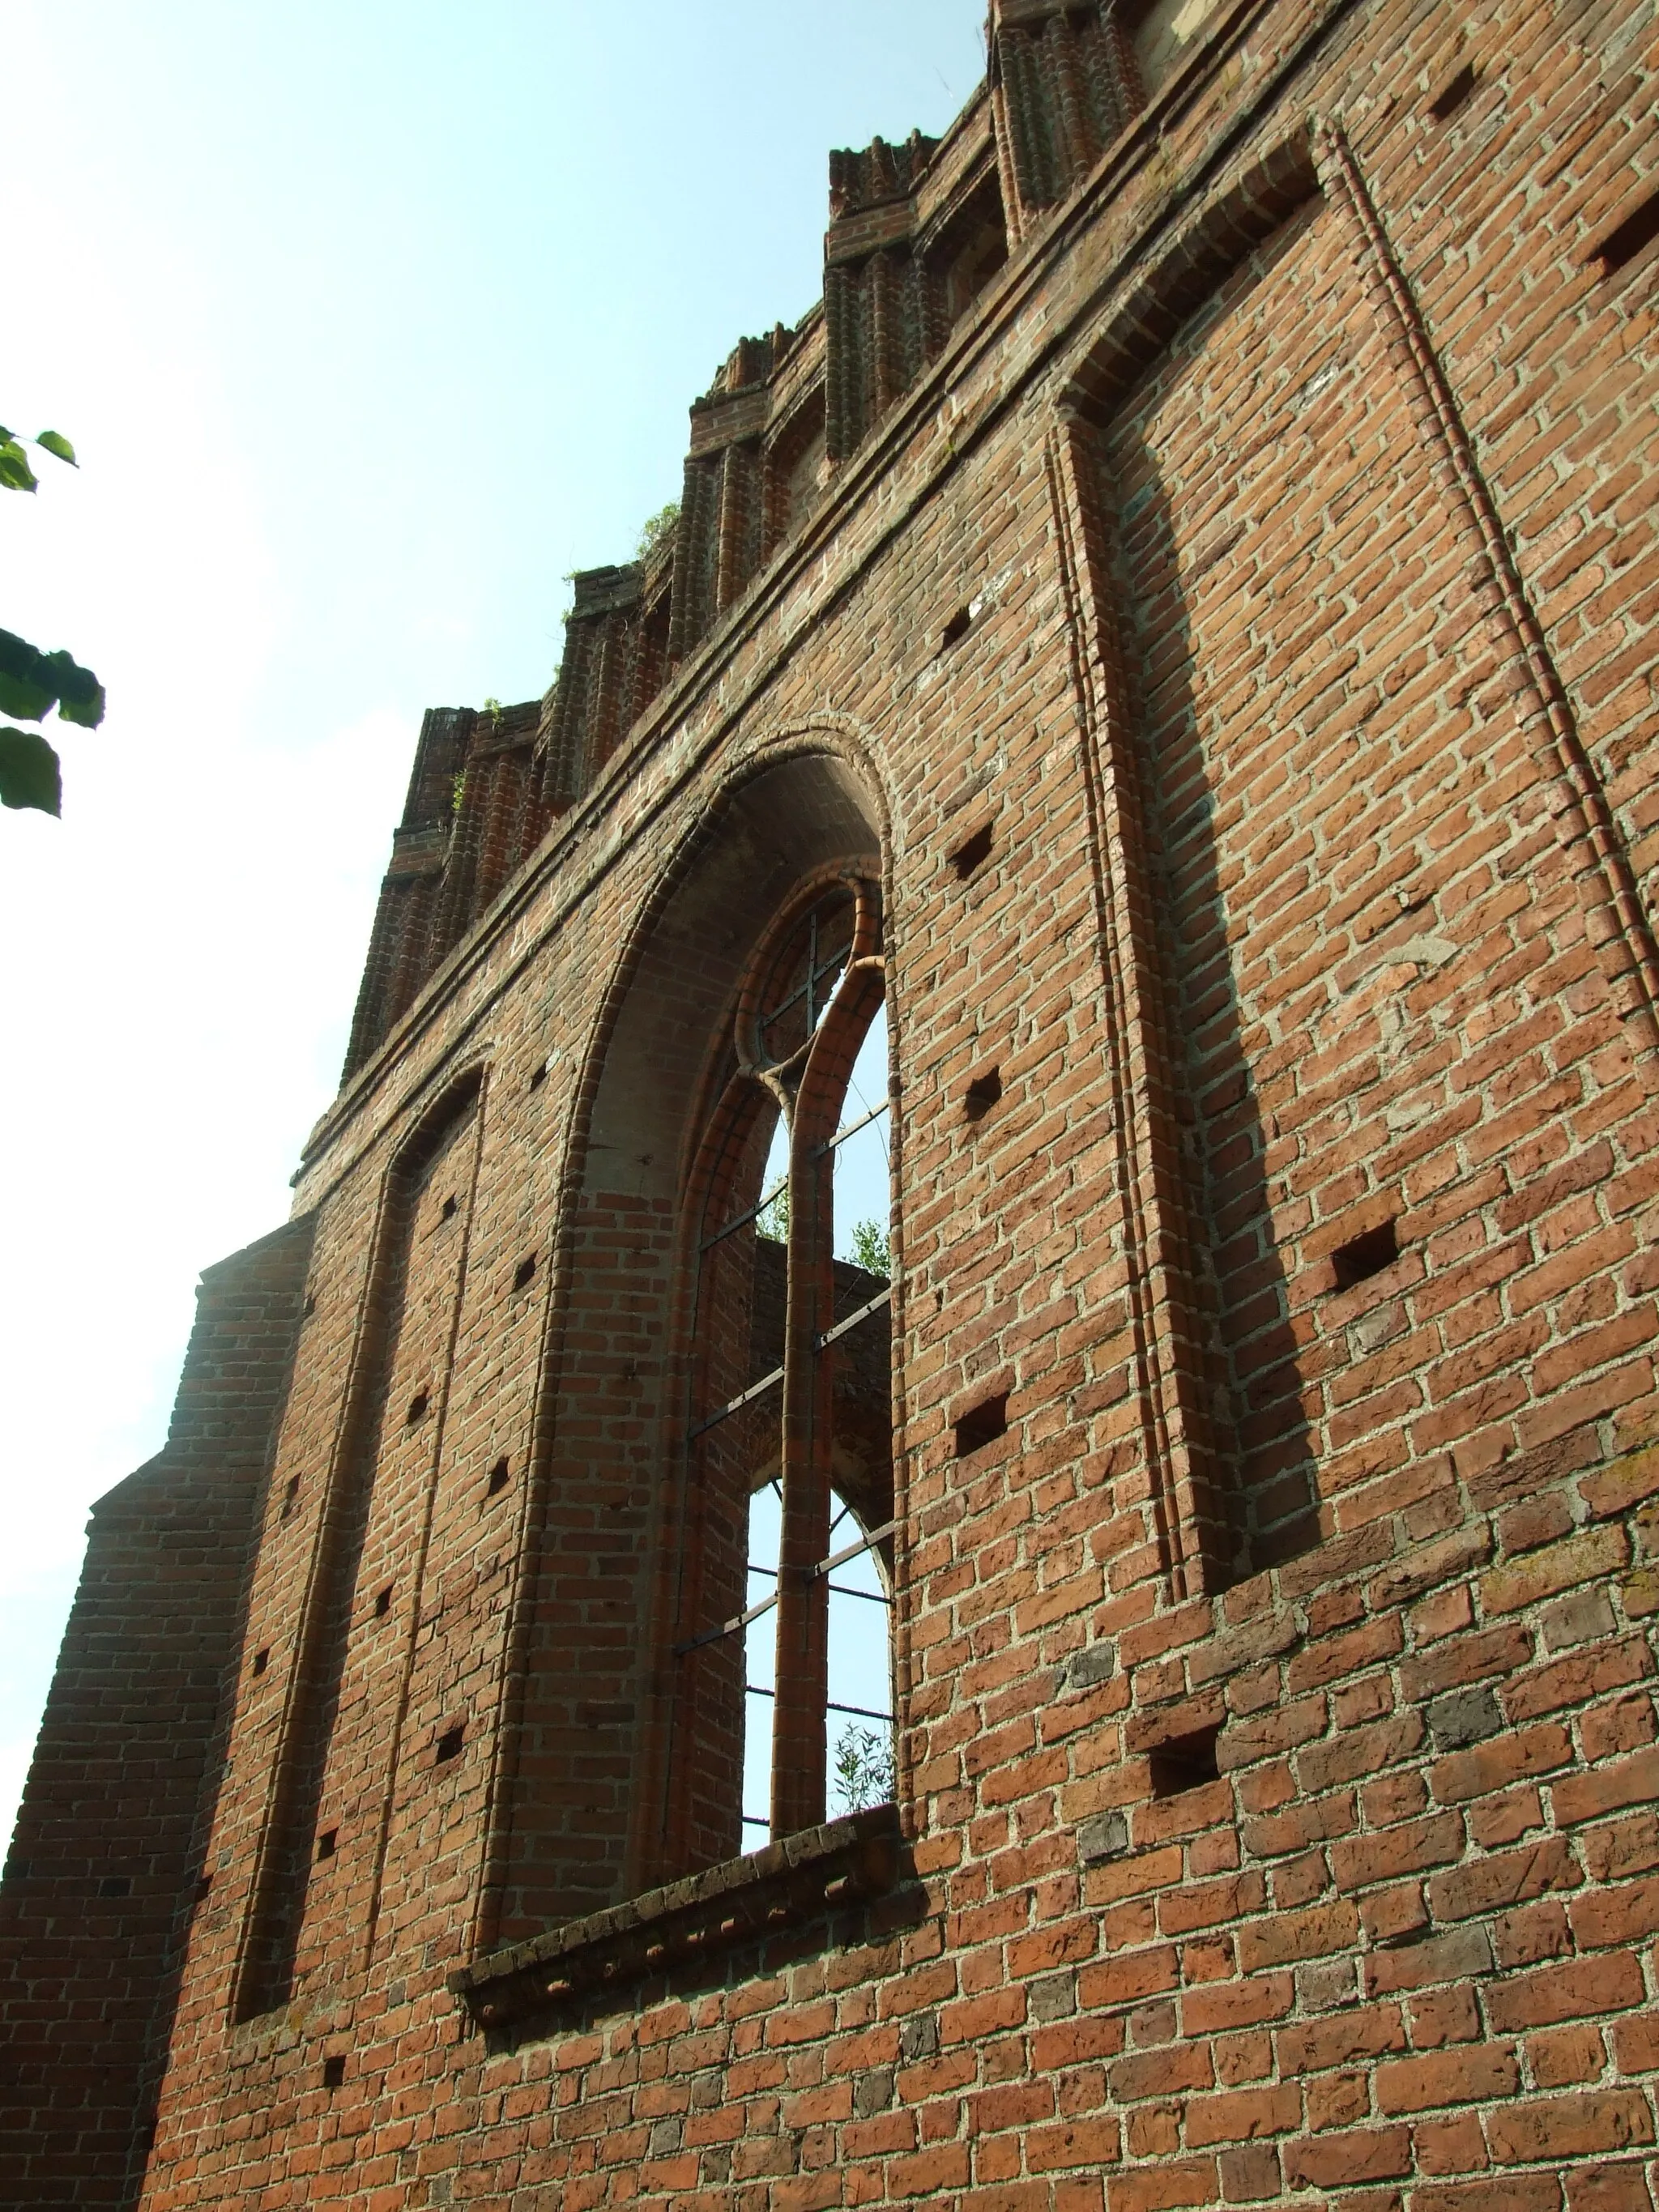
(864, 1768)
(871, 1250)
(657, 530)
(32, 683)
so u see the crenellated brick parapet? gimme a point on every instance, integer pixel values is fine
(478, 805)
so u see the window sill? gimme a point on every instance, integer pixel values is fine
(766, 1892)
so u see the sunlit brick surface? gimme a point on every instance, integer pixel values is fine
(1201, 560)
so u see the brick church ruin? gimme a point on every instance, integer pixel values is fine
(1160, 666)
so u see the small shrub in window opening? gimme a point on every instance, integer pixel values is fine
(773, 1221)
(864, 1768)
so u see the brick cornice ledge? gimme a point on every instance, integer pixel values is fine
(764, 1893)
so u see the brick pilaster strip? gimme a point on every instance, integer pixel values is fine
(1615, 922)
(1188, 1526)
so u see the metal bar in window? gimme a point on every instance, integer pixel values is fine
(851, 1128)
(725, 1628)
(863, 1711)
(823, 1567)
(743, 1219)
(743, 1398)
(755, 1820)
(859, 1314)
(864, 1544)
(874, 1597)
(827, 966)
(754, 1690)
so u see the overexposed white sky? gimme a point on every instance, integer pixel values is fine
(369, 322)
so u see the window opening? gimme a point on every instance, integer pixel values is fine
(806, 1293)
(859, 1749)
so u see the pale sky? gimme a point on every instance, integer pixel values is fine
(369, 322)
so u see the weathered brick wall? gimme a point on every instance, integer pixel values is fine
(1236, 649)
(106, 1858)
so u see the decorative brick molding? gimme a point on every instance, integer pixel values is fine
(807, 1877)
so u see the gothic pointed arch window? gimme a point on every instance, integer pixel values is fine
(788, 1694)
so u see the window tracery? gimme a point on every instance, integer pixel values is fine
(779, 1363)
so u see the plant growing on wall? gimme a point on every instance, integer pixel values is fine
(32, 683)
(658, 530)
(864, 1768)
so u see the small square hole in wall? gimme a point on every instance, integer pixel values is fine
(982, 1424)
(1364, 1254)
(1186, 1762)
(956, 629)
(382, 1603)
(538, 1076)
(116, 1885)
(498, 1479)
(310, 1306)
(333, 2073)
(448, 1212)
(204, 1889)
(1639, 228)
(449, 1745)
(326, 1843)
(973, 854)
(261, 1661)
(1452, 94)
(982, 1094)
(290, 1496)
(522, 1273)
(417, 1405)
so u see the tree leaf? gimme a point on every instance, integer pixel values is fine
(79, 694)
(53, 441)
(29, 682)
(29, 774)
(15, 474)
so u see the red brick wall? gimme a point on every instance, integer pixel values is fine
(1266, 563)
(107, 1856)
